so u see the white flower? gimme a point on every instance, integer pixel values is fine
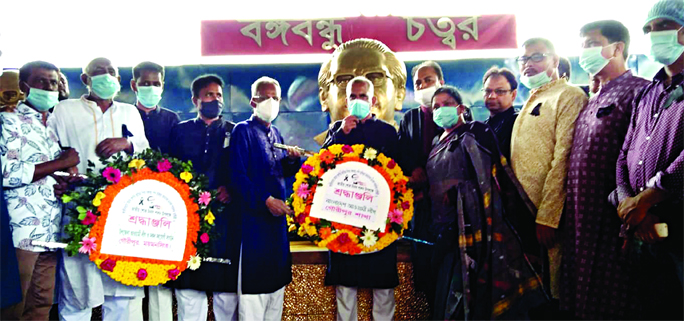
(194, 262)
(370, 154)
(369, 239)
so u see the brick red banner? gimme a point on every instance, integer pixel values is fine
(230, 37)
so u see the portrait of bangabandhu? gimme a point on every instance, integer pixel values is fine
(362, 57)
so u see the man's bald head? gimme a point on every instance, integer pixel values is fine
(98, 66)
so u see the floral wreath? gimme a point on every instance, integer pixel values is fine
(89, 206)
(344, 238)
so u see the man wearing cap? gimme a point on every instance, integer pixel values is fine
(650, 168)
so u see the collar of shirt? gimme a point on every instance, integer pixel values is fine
(94, 106)
(676, 79)
(553, 83)
(24, 110)
(258, 124)
(425, 109)
(200, 122)
(156, 111)
(603, 98)
(500, 117)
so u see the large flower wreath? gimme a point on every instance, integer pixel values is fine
(90, 204)
(344, 238)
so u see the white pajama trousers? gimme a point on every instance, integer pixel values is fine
(347, 304)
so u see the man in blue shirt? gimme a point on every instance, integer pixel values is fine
(148, 85)
(204, 141)
(258, 174)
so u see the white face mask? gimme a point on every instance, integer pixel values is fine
(267, 110)
(424, 96)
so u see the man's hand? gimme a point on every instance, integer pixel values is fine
(277, 207)
(418, 176)
(111, 146)
(223, 195)
(69, 159)
(546, 236)
(63, 182)
(646, 231)
(349, 123)
(632, 210)
(294, 153)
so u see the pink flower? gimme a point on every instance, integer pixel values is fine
(306, 168)
(343, 238)
(173, 274)
(88, 245)
(112, 174)
(347, 149)
(164, 165)
(303, 190)
(142, 274)
(108, 265)
(301, 219)
(396, 216)
(89, 219)
(204, 238)
(205, 198)
(391, 164)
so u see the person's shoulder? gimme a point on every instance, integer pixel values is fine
(166, 111)
(574, 91)
(67, 105)
(241, 127)
(411, 114)
(335, 125)
(185, 123)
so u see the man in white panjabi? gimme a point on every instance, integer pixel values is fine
(96, 126)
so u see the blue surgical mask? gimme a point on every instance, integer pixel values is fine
(535, 81)
(149, 96)
(211, 109)
(359, 108)
(42, 100)
(592, 61)
(665, 46)
(105, 86)
(446, 116)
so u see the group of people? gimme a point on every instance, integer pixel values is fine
(568, 208)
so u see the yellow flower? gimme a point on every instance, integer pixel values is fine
(97, 201)
(136, 163)
(357, 149)
(210, 218)
(335, 149)
(310, 229)
(186, 176)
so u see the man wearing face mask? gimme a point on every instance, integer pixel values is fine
(349, 272)
(96, 126)
(541, 141)
(597, 275)
(416, 132)
(258, 175)
(204, 141)
(28, 186)
(650, 168)
(148, 85)
(500, 89)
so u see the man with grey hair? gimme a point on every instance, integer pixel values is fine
(349, 272)
(258, 172)
(541, 142)
(96, 126)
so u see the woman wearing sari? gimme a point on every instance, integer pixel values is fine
(483, 271)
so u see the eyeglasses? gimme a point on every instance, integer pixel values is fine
(498, 92)
(262, 98)
(377, 78)
(537, 57)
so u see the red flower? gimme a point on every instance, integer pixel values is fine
(173, 274)
(108, 265)
(89, 219)
(306, 168)
(301, 219)
(405, 205)
(347, 149)
(343, 238)
(142, 274)
(327, 157)
(391, 164)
